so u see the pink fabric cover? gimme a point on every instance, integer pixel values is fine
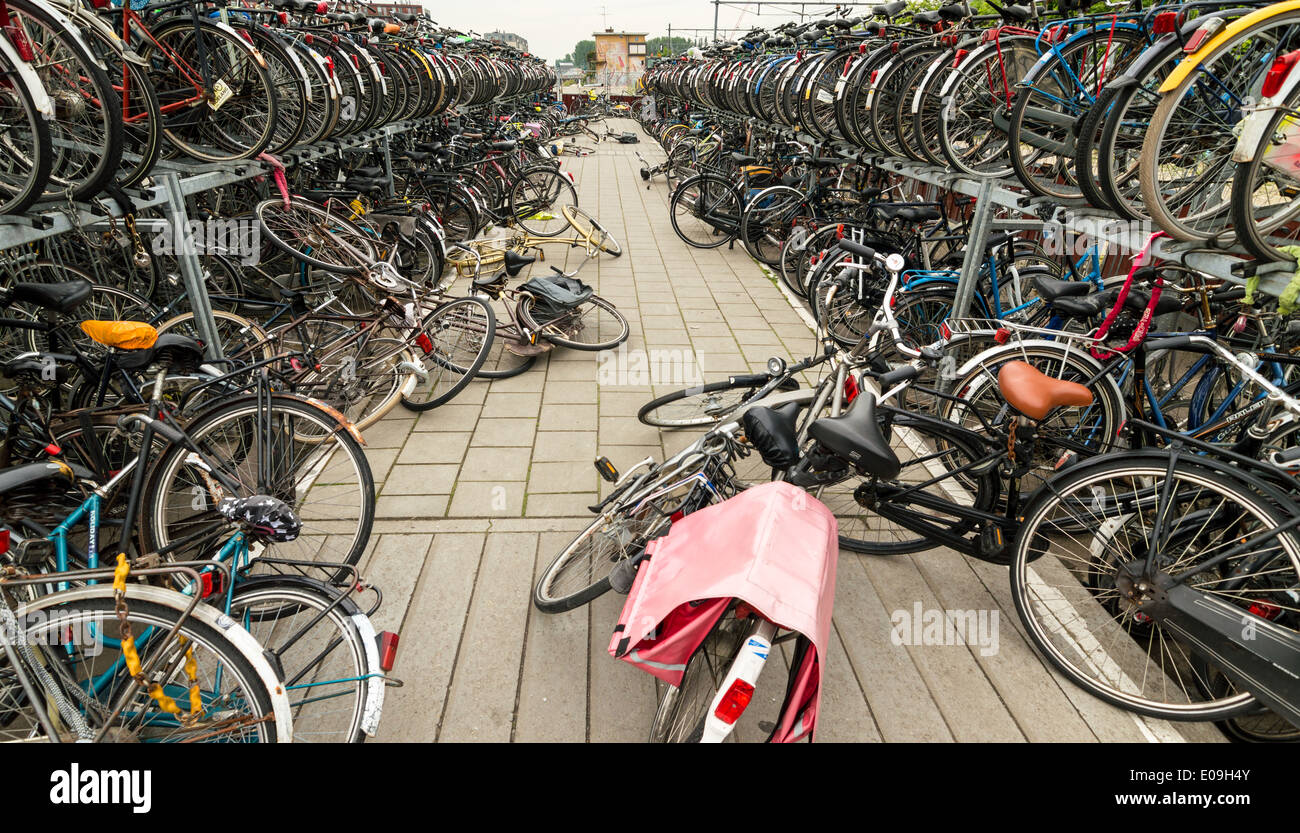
(772, 546)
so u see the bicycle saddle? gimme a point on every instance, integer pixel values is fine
(365, 184)
(414, 155)
(743, 159)
(180, 353)
(1053, 288)
(516, 262)
(506, 145)
(1017, 13)
(824, 161)
(268, 517)
(32, 367)
(926, 18)
(60, 297)
(772, 432)
(1035, 394)
(889, 9)
(953, 12)
(368, 172)
(28, 474)
(998, 239)
(855, 436)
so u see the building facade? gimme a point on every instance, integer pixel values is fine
(620, 60)
(509, 39)
(388, 9)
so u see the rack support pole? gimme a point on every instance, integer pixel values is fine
(187, 256)
(981, 224)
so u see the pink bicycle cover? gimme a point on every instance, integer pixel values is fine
(773, 547)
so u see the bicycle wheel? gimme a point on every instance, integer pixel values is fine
(314, 637)
(316, 236)
(1056, 94)
(361, 379)
(705, 211)
(703, 405)
(1186, 165)
(683, 709)
(1264, 190)
(86, 129)
(870, 511)
(538, 198)
(1090, 430)
(581, 571)
(453, 342)
(767, 222)
(287, 448)
(236, 119)
(592, 325)
(590, 230)
(25, 137)
(87, 676)
(1078, 601)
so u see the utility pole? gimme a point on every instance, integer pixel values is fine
(670, 40)
(716, 4)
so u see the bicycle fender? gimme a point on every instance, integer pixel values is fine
(29, 79)
(71, 31)
(1191, 62)
(230, 30)
(249, 647)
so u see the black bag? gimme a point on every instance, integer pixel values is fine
(554, 295)
(628, 138)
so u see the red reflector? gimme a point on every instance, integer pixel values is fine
(387, 650)
(4, 541)
(1002, 336)
(734, 702)
(426, 343)
(283, 17)
(1278, 73)
(1265, 610)
(1165, 23)
(53, 449)
(961, 53)
(19, 39)
(839, 231)
(945, 331)
(1200, 36)
(676, 516)
(211, 584)
(309, 39)
(99, 4)
(851, 388)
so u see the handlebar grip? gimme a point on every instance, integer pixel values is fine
(865, 252)
(895, 377)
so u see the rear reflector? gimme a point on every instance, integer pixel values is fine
(734, 702)
(387, 650)
(1282, 66)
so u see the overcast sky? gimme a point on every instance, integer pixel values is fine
(553, 28)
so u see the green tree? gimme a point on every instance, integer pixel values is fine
(583, 54)
(660, 46)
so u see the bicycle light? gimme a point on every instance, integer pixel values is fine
(776, 366)
(606, 469)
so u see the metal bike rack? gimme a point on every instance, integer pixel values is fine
(172, 182)
(1231, 264)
